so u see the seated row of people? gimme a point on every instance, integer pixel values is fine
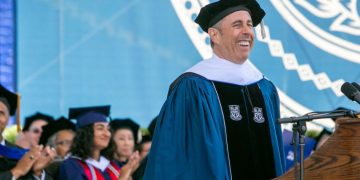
(92, 148)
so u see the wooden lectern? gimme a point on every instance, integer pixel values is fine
(338, 158)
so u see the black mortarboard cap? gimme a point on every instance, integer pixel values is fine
(212, 13)
(146, 138)
(35, 117)
(88, 115)
(53, 127)
(116, 124)
(11, 99)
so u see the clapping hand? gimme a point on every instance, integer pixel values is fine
(47, 156)
(24, 165)
(128, 169)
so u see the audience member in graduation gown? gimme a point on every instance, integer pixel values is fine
(90, 156)
(32, 130)
(58, 134)
(15, 162)
(29, 166)
(144, 149)
(219, 120)
(145, 144)
(125, 136)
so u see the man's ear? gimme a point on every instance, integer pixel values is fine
(214, 35)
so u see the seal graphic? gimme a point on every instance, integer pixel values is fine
(341, 24)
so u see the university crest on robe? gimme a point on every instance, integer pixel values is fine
(258, 115)
(235, 112)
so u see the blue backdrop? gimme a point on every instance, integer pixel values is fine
(7, 46)
(126, 53)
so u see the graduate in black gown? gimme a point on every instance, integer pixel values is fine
(144, 149)
(58, 134)
(219, 119)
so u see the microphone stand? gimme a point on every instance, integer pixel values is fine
(299, 128)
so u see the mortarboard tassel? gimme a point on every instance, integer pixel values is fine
(262, 27)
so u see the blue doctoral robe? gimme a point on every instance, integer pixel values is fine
(190, 136)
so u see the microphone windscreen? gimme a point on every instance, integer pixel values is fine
(356, 85)
(349, 90)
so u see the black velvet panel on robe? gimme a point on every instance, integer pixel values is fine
(248, 135)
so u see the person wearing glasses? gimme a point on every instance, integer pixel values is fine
(59, 134)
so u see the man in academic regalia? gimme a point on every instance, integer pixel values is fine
(59, 134)
(8, 104)
(218, 121)
(15, 162)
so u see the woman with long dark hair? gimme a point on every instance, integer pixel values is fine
(91, 156)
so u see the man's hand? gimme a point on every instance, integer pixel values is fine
(26, 162)
(47, 156)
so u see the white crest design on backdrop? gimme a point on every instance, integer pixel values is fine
(346, 15)
(345, 19)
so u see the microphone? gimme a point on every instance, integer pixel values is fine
(356, 85)
(351, 92)
(319, 115)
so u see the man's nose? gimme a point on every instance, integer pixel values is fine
(247, 30)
